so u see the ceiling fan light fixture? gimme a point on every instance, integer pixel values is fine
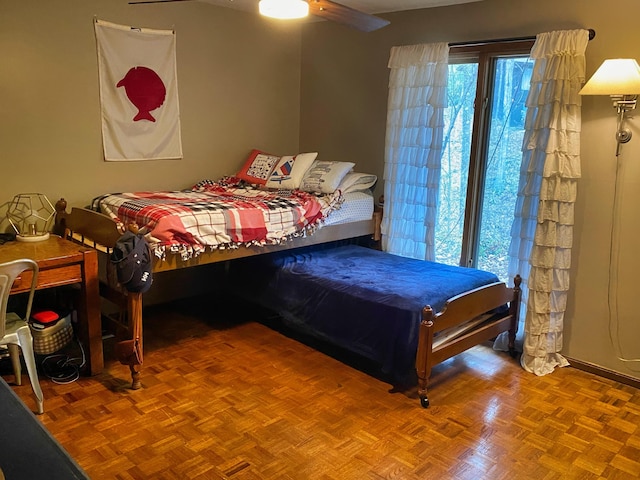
(284, 9)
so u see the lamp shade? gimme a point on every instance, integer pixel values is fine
(284, 9)
(616, 76)
(31, 216)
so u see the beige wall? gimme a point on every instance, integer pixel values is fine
(343, 108)
(238, 78)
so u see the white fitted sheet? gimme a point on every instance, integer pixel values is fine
(356, 206)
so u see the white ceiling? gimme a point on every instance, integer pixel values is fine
(368, 6)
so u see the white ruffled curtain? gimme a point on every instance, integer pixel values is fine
(542, 232)
(413, 151)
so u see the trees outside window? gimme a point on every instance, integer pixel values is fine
(484, 127)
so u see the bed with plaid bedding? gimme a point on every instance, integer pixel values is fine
(217, 215)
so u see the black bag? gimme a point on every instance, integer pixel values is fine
(133, 260)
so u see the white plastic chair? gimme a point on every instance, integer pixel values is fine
(14, 331)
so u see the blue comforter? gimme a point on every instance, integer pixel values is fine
(364, 300)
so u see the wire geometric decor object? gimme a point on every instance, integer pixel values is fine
(31, 216)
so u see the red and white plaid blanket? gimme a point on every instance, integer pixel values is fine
(222, 214)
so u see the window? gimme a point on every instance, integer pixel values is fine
(484, 127)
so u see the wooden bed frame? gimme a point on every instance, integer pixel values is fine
(90, 228)
(465, 321)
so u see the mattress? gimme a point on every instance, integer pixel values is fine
(366, 301)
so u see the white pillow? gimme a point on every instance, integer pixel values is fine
(357, 182)
(289, 170)
(324, 177)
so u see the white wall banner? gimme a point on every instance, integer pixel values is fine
(138, 93)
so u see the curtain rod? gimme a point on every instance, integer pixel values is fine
(592, 34)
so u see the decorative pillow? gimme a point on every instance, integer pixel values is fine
(289, 171)
(357, 182)
(324, 177)
(258, 167)
(274, 171)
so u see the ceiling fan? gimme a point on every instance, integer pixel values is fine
(326, 9)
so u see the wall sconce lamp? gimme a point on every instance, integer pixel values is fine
(284, 9)
(31, 216)
(620, 79)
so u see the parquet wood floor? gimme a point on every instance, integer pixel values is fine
(225, 397)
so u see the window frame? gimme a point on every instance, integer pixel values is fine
(486, 55)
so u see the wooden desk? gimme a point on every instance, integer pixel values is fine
(63, 262)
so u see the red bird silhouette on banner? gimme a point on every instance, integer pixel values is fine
(145, 89)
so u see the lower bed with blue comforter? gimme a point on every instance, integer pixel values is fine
(363, 300)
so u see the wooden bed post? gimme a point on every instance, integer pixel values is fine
(423, 355)
(60, 220)
(474, 312)
(134, 312)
